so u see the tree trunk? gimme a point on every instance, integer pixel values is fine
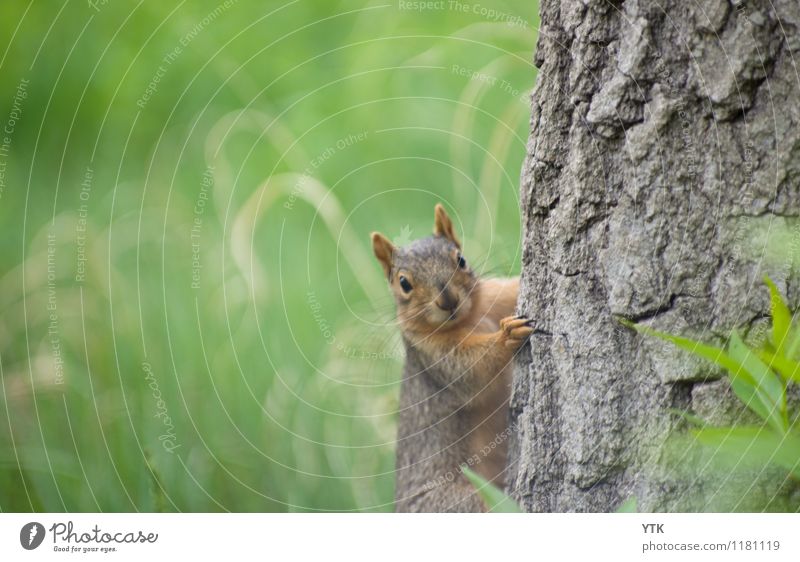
(662, 132)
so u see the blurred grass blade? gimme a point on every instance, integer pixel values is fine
(495, 499)
(792, 345)
(763, 401)
(629, 506)
(754, 446)
(709, 352)
(769, 388)
(781, 317)
(786, 367)
(748, 394)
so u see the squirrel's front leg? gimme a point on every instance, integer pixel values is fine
(514, 331)
(479, 357)
(499, 346)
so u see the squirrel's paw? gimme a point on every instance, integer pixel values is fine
(515, 330)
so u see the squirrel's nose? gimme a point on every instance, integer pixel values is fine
(447, 301)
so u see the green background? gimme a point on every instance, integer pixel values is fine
(317, 123)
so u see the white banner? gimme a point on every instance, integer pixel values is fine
(388, 537)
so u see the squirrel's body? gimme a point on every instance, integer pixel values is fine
(460, 337)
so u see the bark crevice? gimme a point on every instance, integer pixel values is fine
(659, 131)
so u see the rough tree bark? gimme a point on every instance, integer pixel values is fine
(660, 130)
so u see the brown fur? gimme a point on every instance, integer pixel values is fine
(460, 336)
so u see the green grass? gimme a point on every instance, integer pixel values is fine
(494, 498)
(275, 382)
(760, 375)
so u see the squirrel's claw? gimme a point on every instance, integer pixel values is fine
(515, 330)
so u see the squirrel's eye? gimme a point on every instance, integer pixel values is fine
(462, 263)
(405, 284)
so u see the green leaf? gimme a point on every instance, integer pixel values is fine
(786, 367)
(744, 384)
(781, 317)
(709, 352)
(754, 446)
(794, 345)
(748, 394)
(628, 506)
(769, 388)
(496, 501)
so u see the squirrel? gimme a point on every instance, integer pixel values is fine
(460, 335)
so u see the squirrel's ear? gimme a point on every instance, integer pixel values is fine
(443, 226)
(383, 251)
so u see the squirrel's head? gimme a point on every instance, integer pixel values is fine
(432, 282)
